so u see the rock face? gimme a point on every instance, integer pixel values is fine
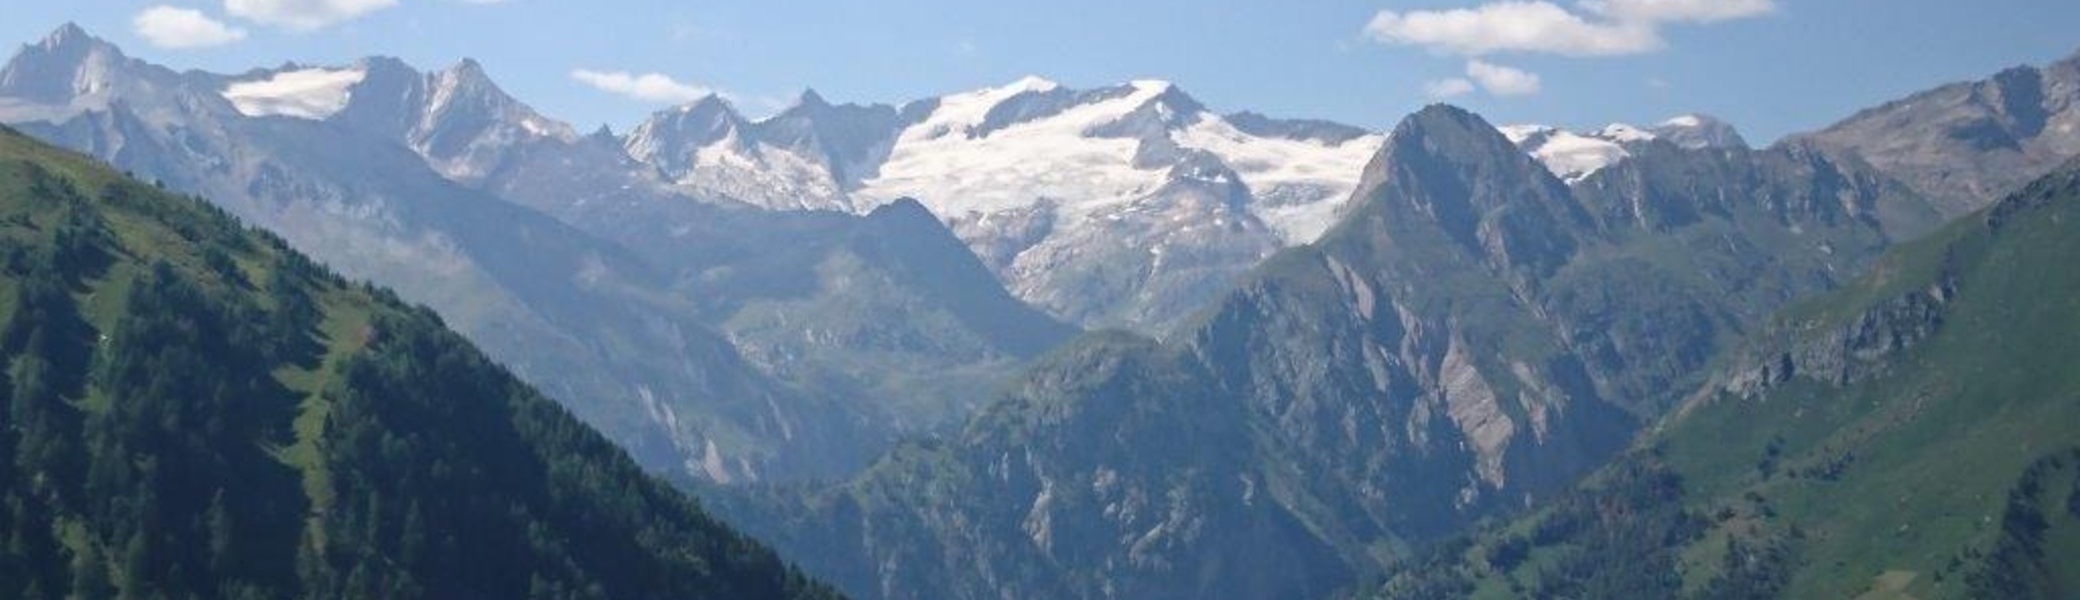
(1850, 353)
(1968, 144)
(1473, 335)
(1127, 206)
(714, 341)
(1920, 421)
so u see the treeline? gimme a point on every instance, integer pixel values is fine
(1621, 537)
(154, 447)
(2017, 565)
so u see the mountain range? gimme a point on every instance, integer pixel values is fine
(1471, 337)
(1125, 206)
(1319, 357)
(716, 341)
(1497, 313)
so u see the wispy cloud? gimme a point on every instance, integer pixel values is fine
(1680, 11)
(1503, 81)
(1598, 28)
(1540, 27)
(182, 28)
(1593, 28)
(303, 15)
(1445, 89)
(646, 87)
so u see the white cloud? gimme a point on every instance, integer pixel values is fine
(1600, 28)
(1680, 11)
(303, 15)
(1448, 88)
(179, 28)
(1512, 26)
(647, 87)
(1503, 81)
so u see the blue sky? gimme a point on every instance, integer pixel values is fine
(1770, 66)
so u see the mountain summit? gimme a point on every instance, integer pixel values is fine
(1093, 204)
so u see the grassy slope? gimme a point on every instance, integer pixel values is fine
(587, 473)
(1892, 487)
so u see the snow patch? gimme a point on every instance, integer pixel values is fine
(1575, 156)
(1625, 134)
(941, 163)
(1685, 121)
(1300, 184)
(314, 94)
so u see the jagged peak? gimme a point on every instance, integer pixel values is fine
(810, 99)
(468, 73)
(1169, 95)
(680, 129)
(1455, 134)
(466, 79)
(1156, 86)
(902, 208)
(709, 102)
(712, 110)
(71, 63)
(71, 41)
(69, 34)
(1438, 119)
(464, 88)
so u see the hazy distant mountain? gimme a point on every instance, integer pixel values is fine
(1473, 335)
(1127, 206)
(716, 341)
(1968, 144)
(808, 297)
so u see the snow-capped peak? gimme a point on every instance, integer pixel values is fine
(810, 99)
(1575, 156)
(1698, 132)
(1030, 83)
(465, 92)
(964, 114)
(1153, 86)
(670, 138)
(1625, 134)
(1526, 133)
(709, 102)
